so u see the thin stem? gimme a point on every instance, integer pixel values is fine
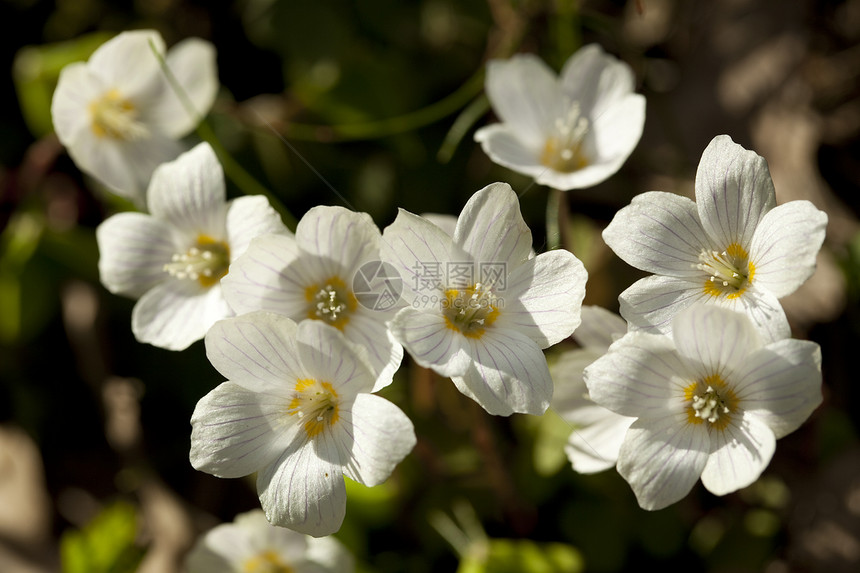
(246, 183)
(553, 208)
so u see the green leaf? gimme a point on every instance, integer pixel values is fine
(105, 545)
(522, 556)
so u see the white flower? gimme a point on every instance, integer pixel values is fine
(710, 402)
(312, 275)
(480, 308)
(597, 432)
(252, 545)
(732, 247)
(173, 258)
(296, 409)
(568, 132)
(119, 117)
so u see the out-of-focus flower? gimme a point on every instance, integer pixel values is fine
(481, 309)
(173, 258)
(119, 117)
(297, 410)
(252, 545)
(311, 276)
(709, 401)
(568, 132)
(732, 247)
(597, 432)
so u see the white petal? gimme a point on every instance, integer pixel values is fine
(588, 176)
(595, 79)
(492, 230)
(617, 131)
(503, 145)
(250, 217)
(658, 233)
(133, 249)
(326, 355)
(739, 453)
(192, 63)
(383, 352)
(376, 435)
(651, 303)
(127, 61)
(257, 350)
(543, 297)
(304, 490)
(599, 328)
(175, 313)
(508, 374)
(785, 246)
(526, 95)
(733, 192)
(339, 240)
(236, 432)
(594, 447)
(763, 309)
(713, 339)
(427, 337)
(641, 375)
(420, 251)
(662, 458)
(76, 90)
(781, 384)
(189, 192)
(269, 275)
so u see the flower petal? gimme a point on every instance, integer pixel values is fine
(376, 436)
(326, 355)
(339, 240)
(430, 342)
(383, 352)
(133, 249)
(189, 192)
(269, 275)
(595, 79)
(617, 130)
(662, 458)
(781, 384)
(641, 375)
(503, 145)
(525, 94)
(713, 339)
(658, 233)
(651, 303)
(594, 446)
(491, 228)
(176, 313)
(599, 328)
(785, 246)
(739, 453)
(419, 250)
(508, 374)
(543, 297)
(304, 489)
(192, 63)
(127, 61)
(733, 192)
(236, 432)
(257, 351)
(76, 89)
(250, 217)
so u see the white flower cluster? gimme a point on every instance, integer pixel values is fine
(306, 327)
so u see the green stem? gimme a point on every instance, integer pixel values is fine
(232, 169)
(553, 210)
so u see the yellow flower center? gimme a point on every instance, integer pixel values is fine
(471, 310)
(207, 261)
(115, 117)
(266, 562)
(331, 302)
(729, 272)
(710, 400)
(316, 405)
(563, 151)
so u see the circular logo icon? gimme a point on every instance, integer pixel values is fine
(377, 285)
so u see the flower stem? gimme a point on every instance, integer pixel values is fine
(232, 169)
(553, 209)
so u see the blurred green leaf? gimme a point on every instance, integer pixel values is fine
(105, 545)
(522, 556)
(35, 72)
